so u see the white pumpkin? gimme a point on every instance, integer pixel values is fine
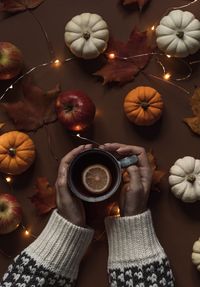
(178, 34)
(196, 254)
(185, 179)
(86, 35)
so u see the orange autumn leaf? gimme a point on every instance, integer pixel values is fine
(44, 198)
(194, 122)
(157, 173)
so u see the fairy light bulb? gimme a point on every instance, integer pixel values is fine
(114, 210)
(111, 56)
(167, 76)
(57, 63)
(26, 233)
(168, 56)
(117, 211)
(8, 179)
(153, 28)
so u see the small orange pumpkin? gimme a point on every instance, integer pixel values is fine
(143, 106)
(17, 152)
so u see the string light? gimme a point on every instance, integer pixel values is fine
(26, 232)
(54, 62)
(169, 82)
(153, 28)
(167, 76)
(88, 140)
(57, 63)
(5, 254)
(8, 179)
(113, 209)
(49, 44)
(183, 6)
(111, 56)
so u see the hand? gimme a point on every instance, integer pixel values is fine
(70, 207)
(137, 179)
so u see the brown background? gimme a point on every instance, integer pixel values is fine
(177, 224)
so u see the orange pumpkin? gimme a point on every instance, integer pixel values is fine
(17, 152)
(143, 106)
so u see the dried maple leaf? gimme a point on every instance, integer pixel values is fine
(141, 3)
(14, 6)
(157, 173)
(45, 197)
(120, 70)
(194, 122)
(34, 110)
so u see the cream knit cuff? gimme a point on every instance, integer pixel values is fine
(132, 240)
(61, 246)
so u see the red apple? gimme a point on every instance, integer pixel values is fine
(10, 213)
(75, 110)
(11, 61)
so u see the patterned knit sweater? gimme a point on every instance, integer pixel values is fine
(136, 258)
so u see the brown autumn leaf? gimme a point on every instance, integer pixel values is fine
(120, 70)
(141, 3)
(14, 6)
(194, 122)
(157, 173)
(34, 110)
(44, 198)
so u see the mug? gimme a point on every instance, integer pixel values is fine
(97, 156)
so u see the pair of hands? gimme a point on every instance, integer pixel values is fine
(134, 193)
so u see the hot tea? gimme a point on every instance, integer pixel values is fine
(96, 178)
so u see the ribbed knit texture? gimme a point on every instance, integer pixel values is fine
(132, 240)
(61, 246)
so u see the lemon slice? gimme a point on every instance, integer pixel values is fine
(96, 178)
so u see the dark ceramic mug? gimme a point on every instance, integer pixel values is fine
(97, 156)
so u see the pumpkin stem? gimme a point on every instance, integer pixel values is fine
(144, 105)
(180, 34)
(86, 35)
(12, 151)
(3, 207)
(191, 178)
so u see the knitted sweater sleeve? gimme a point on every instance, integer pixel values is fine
(53, 258)
(136, 258)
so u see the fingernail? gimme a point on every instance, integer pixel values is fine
(87, 146)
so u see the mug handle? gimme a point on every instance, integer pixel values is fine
(128, 161)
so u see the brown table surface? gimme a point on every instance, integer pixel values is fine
(177, 224)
